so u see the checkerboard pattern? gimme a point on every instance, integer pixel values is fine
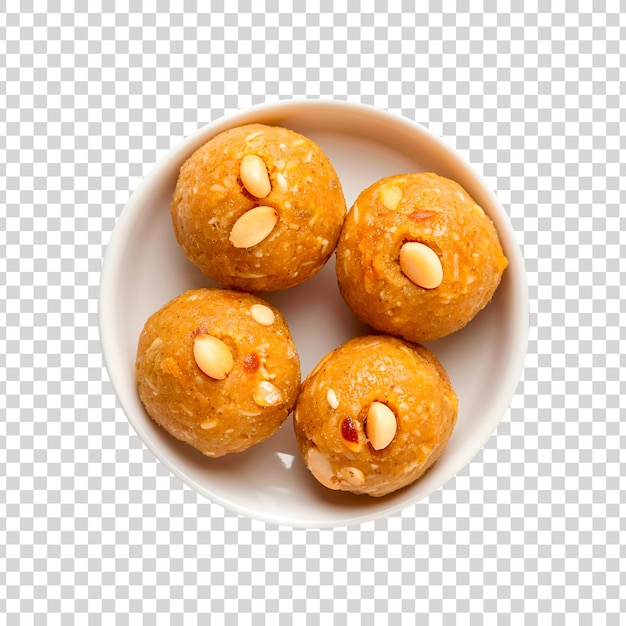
(94, 529)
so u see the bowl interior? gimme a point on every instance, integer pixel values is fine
(144, 268)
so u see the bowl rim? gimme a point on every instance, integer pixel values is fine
(111, 269)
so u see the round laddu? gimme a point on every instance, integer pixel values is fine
(258, 208)
(437, 283)
(217, 369)
(374, 415)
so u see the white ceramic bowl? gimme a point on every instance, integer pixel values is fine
(144, 268)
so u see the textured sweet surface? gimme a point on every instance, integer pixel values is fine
(439, 214)
(215, 409)
(406, 383)
(220, 227)
(94, 528)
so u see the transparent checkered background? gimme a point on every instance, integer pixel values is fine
(93, 528)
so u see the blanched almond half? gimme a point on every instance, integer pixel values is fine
(381, 425)
(253, 227)
(352, 475)
(321, 469)
(212, 356)
(332, 399)
(390, 196)
(267, 394)
(421, 265)
(262, 314)
(254, 176)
